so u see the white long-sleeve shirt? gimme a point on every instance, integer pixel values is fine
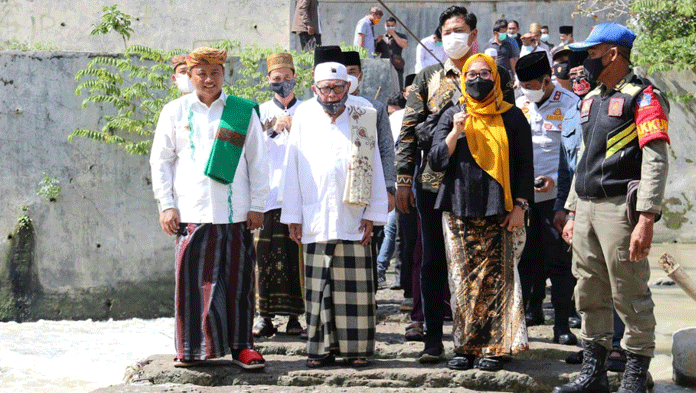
(183, 140)
(423, 58)
(275, 147)
(316, 171)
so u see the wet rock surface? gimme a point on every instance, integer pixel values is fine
(394, 367)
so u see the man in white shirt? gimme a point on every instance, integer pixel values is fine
(210, 178)
(334, 192)
(279, 267)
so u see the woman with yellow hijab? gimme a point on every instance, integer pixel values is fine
(484, 146)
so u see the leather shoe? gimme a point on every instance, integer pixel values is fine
(574, 322)
(459, 362)
(565, 339)
(489, 364)
(534, 318)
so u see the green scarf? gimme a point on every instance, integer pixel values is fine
(229, 140)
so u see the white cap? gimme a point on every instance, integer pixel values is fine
(330, 70)
(492, 52)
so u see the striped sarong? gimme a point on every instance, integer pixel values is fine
(214, 296)
(280, 269)
(488, 317)
(340, 299)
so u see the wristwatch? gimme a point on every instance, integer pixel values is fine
(524, 205)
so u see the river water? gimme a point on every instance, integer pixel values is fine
(81, 356)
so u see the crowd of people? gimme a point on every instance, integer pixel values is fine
(488, 174)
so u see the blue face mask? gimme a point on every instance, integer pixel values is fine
(438, 43)
(528, 48)
(502, 36)
(544, 37)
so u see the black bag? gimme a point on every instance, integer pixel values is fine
(631, 202)
(397, 61)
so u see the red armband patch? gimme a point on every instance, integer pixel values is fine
(651, 120)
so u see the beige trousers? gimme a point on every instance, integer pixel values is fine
(601, 264)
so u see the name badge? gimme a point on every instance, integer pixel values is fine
(616, 107)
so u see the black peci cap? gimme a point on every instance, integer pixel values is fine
(351, 58)
(408, 80)
(565, 30)
(325, 54)
(532, 66)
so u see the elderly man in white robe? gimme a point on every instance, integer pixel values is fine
(334, 193)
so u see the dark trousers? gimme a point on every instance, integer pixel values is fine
(433, 269)
(309, 42)
(375, 244)
(406, 233)
(546, 255)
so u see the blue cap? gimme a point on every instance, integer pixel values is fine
(607, 33)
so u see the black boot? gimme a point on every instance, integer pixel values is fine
(593, 375)
(636, 375)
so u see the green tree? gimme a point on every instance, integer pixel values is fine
(665, 30)
(113, 19)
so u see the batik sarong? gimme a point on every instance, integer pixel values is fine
(488, 320)
(340, 299)
(280, 269)
(214, 296)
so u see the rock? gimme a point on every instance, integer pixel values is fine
(684, 357)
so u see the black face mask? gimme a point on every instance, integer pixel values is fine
(479, 88)
(594, 67)
(284, 88)
(561, 70)
(333, 107)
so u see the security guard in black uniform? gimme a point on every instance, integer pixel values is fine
(624, 127)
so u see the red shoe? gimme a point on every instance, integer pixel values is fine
(249, 359)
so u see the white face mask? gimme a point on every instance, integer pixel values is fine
(353, 84)
(183, 83)
(456, 45)
(533, 95)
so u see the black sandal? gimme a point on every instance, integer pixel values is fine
(264, 328)
(293, 328)
(325, 361)
(358, 362)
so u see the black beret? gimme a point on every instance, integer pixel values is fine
(576, 58)
(532, 66)
(408, 81)
(351, 58)
(325, 54)
(565, 30)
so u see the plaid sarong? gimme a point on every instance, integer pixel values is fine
(214, 296)
(488, 317)
(340, 299)
(280, 269)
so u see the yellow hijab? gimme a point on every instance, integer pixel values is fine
(485, 131)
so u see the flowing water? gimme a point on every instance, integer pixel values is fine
(81, 356)
(76, 356)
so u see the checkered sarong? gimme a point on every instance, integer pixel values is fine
(340, 299)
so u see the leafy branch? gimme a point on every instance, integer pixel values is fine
(113, 19)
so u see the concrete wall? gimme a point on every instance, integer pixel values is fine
(162, 24)
(340, 17)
